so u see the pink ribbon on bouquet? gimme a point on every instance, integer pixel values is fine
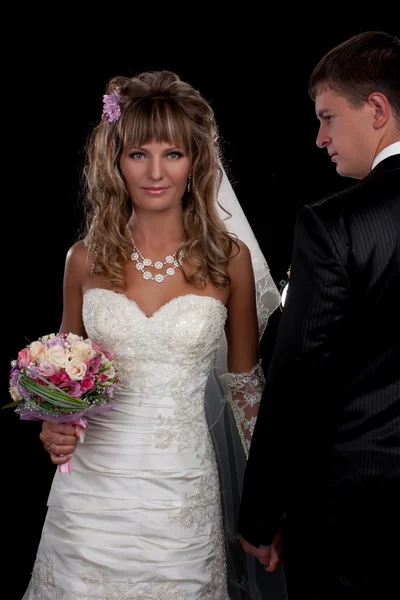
(67, 467)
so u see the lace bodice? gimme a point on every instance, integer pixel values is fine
(181, 337)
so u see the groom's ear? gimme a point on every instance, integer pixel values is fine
(380, 108)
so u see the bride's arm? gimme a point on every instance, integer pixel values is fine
(245, 379)
(60, 439)
(75, 272)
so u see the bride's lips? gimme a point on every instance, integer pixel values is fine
(155, 191)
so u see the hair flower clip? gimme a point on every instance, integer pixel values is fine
(111, 108)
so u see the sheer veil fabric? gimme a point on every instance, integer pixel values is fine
(247, 578)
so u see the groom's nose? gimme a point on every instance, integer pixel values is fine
(323, 139)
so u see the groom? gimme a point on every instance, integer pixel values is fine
(324, 463)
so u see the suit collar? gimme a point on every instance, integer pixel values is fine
(388, 164)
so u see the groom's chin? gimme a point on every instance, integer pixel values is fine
(343, 172)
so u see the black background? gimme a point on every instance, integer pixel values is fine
(52, 98)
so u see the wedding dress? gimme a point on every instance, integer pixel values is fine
(140, 516)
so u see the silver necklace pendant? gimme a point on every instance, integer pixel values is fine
(172, 262)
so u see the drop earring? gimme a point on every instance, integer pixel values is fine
(189, 184)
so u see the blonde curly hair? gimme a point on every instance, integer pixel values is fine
(156, 106)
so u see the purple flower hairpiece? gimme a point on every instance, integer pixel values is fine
(111, 108)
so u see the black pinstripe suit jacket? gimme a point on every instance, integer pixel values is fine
(327, 438)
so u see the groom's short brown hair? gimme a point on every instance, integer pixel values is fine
(366, 63)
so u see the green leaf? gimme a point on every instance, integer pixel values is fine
(12, 404)
(106, 366)
(54, 396)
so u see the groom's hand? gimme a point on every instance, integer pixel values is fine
(276, 552)
(268, 556)
(262, 554)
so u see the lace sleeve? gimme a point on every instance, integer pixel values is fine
(244, 391)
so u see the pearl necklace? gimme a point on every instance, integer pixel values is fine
(173, 262)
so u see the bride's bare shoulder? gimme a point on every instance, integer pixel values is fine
(78, 259)
(240, 256)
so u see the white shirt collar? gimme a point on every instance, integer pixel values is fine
(385, 153)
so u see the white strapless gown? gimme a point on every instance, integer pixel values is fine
(139, 517)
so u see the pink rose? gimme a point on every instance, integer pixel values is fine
(24, 357)
(87, 383)
(47, 369)
(63, 375)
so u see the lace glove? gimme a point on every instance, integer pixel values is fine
(244, 396)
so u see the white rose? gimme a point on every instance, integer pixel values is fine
(76, 369)
(45, 338)
(81, 350)
(57, 355)
(15, 393)
(71, 337)
(37, 350)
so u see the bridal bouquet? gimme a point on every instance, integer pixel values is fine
(62, 377)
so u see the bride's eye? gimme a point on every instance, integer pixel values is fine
(136, 154)
(175, 154)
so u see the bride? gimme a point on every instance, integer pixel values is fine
(161, 282)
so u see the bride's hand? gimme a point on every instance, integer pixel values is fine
(59, 440)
